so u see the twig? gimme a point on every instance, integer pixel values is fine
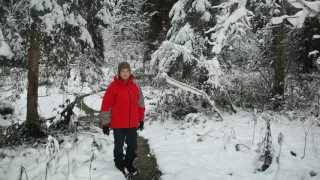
(47, 166)
(280, 141)
(244, 146)
(92, 158)
(21, 171)
(199, 139)
(204, 135)
(68, 162)
(260, 135)
(305, 138)
(254, 118)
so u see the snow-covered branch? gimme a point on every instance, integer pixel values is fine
(193, 90)
(5, 49)
(220, 30)
(309, 9)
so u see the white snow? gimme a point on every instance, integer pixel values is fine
(213, 67)
(201, 5)
(168, 52)
(313, 53)
(296, 4)
(197, 148)
(177, 13)
(54, 17)
(41, 5)
(277, 11)
(104, 15)
(206, 16)
(85, 36)
(94, 101)
(5, 49)
(315, 5)
(58, 16)
(185, 34)
(48, 101)
(79, 160)
(278, 20)
(296, 20)
(309, 9)
(219, 36)
(5, 104)
(316, 36)
(205, 149)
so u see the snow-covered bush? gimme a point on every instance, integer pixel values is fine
(177, 104)
(52, 152)
(6, 108)
(302, 91)
(265, 148)
(246, 90)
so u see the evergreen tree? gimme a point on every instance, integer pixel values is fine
(55, 28)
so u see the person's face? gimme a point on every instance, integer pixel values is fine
(124, 74)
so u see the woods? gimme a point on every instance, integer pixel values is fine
(202, 58)
(198, 38)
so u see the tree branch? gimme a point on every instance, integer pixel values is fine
(193, 90)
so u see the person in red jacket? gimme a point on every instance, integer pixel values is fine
(123, 110)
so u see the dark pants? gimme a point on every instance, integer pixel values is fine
(130, 135)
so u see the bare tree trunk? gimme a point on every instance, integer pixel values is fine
(278, 86)
(33, 73)
(279, 62)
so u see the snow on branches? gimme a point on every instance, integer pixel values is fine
(228, 24)
(177, 13)
(105, 16)
(192, 90)
(308, 9)
(202, 6)
(162, 58)
(59, 15)
(5, 49)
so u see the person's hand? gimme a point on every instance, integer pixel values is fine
(141, 123)
(106, 129)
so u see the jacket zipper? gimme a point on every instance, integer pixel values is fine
(130, 104)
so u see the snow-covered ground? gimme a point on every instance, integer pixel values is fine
(90, 157)
(197, 148)
(94, 101)
(201, 148)
(49, 99)
(182, 154)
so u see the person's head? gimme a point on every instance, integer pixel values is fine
(124, 70)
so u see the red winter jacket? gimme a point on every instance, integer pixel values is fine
(122, 105)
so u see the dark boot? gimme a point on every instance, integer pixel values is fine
(131, 169)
